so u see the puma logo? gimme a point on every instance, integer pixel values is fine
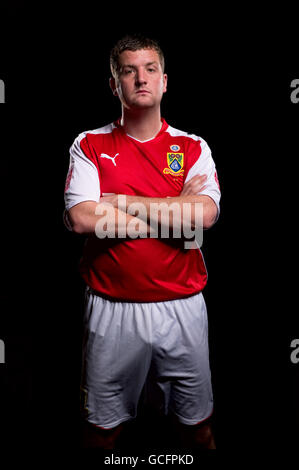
(104, 155)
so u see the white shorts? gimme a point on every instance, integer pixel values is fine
(160, 348)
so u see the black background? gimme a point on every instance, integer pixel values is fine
(229, 82)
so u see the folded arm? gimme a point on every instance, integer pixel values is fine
(170, 211)
(122, 212)
(85, 217)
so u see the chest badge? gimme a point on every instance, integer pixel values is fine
(175, 162)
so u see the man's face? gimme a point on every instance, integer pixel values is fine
(141, 82)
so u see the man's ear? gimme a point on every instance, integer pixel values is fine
(165, 81)
(113, 86)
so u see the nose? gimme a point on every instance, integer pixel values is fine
(140, 77)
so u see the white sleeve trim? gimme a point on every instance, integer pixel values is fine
(82, 182)
(205, 165)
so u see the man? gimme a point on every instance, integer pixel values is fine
(145, 321)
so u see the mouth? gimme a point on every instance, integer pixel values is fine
(142, 92)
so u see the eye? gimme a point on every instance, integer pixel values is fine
(128, 71)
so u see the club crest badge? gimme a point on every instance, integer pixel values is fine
(175, 162)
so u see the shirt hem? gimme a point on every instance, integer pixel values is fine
(115, 299)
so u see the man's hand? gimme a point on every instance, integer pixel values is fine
(194, 185)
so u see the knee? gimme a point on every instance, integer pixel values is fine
(199, 436)
(203, 436)
(95, 437)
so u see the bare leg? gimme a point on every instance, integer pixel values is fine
(94, 437)
(198, 436)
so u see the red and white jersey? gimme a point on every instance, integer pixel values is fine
(107, 160)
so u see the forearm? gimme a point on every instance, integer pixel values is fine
(104, 220)
(173, 212)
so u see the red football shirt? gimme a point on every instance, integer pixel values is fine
(107, 160)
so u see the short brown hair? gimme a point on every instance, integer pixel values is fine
(134, 42)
